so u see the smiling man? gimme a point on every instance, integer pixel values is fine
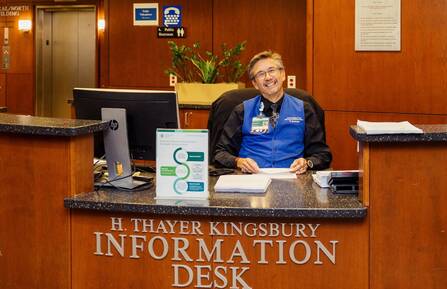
(274, 129)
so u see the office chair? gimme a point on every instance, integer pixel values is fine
(222, 107)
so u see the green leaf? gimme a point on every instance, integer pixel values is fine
(188, 64)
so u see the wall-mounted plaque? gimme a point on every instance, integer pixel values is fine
(377, 25)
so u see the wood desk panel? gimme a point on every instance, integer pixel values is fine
(113, 272)
(34, 226)
(349, 271)
(409, 231)
(101, 271)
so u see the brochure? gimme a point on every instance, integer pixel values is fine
(182, 164)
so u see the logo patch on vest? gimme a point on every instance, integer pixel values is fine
(294, 119)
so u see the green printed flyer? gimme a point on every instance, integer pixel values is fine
(182, 164)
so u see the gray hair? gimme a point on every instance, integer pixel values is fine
(263, 55)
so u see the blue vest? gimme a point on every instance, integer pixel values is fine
(281, 145)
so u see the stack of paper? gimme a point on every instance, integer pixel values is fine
(403, 127)
(243, 183)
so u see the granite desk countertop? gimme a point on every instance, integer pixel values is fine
(285, 198)
(3, 109)
(26, 124)
(432, 133)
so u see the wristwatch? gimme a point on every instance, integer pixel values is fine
(309, 163)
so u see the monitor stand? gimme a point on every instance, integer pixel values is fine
(117, 150)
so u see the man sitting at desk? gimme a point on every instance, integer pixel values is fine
(273, 129)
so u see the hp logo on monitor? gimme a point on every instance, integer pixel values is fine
(113, 124)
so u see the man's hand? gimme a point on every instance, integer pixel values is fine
(299, 166)
(247, 165)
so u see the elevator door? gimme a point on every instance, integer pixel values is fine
(66, 44)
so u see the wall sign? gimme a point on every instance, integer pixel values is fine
(377, 25)
(172, 16)
(171, 32)
(145, 14)
(224, 262)
(13, 10)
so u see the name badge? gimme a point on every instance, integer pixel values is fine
(259, 125)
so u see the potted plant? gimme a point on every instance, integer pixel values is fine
(202, 79)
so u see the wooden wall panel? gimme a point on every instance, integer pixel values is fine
(344, 147)
(51, 2)
(280, 27)
(20, 93)
(2, 71)
(18, 2)
(2, 89)
(137, 58)
(21, 44)
(412, 80)
(17, 81)
(103, 46)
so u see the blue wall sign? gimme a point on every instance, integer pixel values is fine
(172, 16)
(145, 14)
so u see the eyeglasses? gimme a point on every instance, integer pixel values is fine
(261, 75)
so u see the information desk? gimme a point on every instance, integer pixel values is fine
(295, 233)
(294, 236)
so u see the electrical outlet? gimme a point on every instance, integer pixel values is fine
(291, 81)
(172, 80)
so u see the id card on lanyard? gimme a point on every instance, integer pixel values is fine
(260, 123)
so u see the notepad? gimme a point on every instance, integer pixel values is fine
(243, 183)
(403, 127)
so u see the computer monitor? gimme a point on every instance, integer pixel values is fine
(146, 110)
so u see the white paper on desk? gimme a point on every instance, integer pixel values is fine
(277, 173)
(243, 183)
(321, 178)
(403, 127)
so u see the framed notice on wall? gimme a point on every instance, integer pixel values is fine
(377, 25)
